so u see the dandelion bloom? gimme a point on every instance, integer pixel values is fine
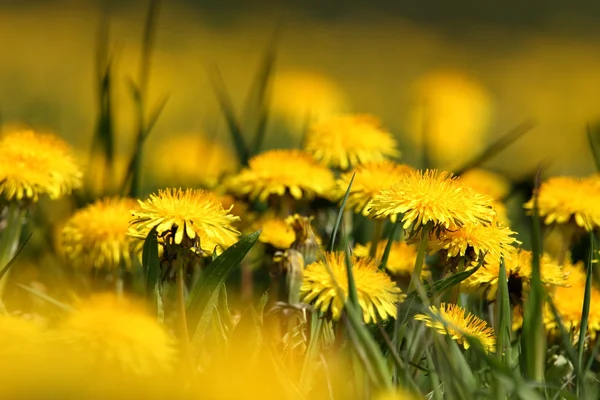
(568, 300)
(475, 241)
(432, 196)
(377, 294)
(114, 333)
(486, 182)
(276, 232)
(401, 260)
(190, 212)
(347, 140)
(97, 235)
(279, 172)
(369, 179)
(567, 199)
(32, 164)
(518, 266)
(456, 322)
(191, 160)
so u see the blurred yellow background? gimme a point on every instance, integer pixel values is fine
(470, 84)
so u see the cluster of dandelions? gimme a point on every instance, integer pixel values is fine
(448, 224)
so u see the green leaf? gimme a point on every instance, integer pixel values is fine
(585, 313)
(352, 291)
(340, 215)
(594, 148)
(498, 146)
(503, 322)
(441, 286)
(235, 128)
(214, 276)
(151, 267)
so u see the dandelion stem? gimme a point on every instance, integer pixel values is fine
(9, 240)
(416, 274)
(184, 338)
(377, 233)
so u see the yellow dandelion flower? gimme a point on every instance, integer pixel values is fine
(501, 213)
(397, 394)
(278, 172)
(565, 199)
(97, 235)
(432, 196)
(486, 182)
(32, 164)
(369, 179)
(401, 260)
(276, 232)
(518, 266)
(114, 332)
(377, 294)
(191, 159)
(454, 321)
(475, 241)
(568, 300)
(347, 140)
(193, 213)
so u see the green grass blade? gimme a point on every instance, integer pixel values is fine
(388, 246)
(585, 313)
(352, 291)
(205, 321)
(148, 40)
(46, 298)
(533, 342)
(498, 146)
(503, 323)
(340, 215)
(594, 148)
(566, 339)
(441, 286)
(235, 128)
(151, 267)
(214, 276)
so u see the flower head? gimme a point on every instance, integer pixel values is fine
(369, 179)
(115, 333)
(432, 196)
(277, 172)
(32, 164)
(456, 322)
(565, 199)
(401, 260)
(192, 160)
(97, 235)
(348, 140)
(377, 294)
(486, 182)
(276, 232)
(490, 241)
(197, 214)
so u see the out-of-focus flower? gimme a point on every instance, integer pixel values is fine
(377, 294)
(280, 172)
(567, 199)
(486, 182)
(303, 96)
(345, 141)
(276, 232)
(475, 241)
(195, 214)
(33, 164)
(432, 196)
(397, 394)
(401, 260)
(456, 322)
(97, 235)
(369, 179)
(452, 114)
(189, 160)
(518, 266)
(113, 333)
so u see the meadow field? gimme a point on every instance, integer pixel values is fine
(263, 204)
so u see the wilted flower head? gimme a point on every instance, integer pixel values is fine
(432, 197)
(567, 199)
(281, 172)
(33, 164)
(377, 294)
(97, 236)
(347, 140)
(193, 214)
(452, 320)
(369, 179)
